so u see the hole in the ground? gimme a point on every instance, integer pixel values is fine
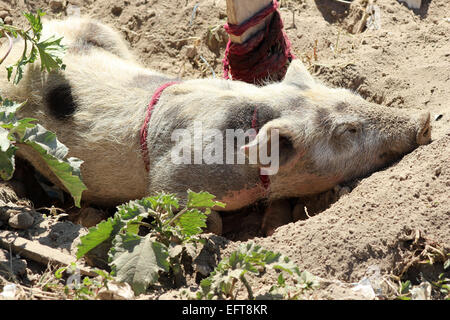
(26, 185)
(248, 223)
(241, 225)
(332, 11)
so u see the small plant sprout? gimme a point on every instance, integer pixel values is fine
(223, 283)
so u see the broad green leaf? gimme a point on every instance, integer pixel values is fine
(233, 259)
(104, 231)
(132, 213)
(35, 22)
(192, 222)
(202, 200)
(51, 52)
(268, 259)
(308, 280)
(5, 143)
(206, 284)
(21, 126)
(138, 260)
(286, 265)
(20, 65)
(7, 163)
(54, 154)
(8, 110)
(162, 203)
(19, 70)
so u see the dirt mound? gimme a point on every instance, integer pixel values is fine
(401, 61)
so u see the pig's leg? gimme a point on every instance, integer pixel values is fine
(82, 34)
(277, 214)
(214, 223)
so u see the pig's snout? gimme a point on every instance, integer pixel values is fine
(423, 129)
(419, 134)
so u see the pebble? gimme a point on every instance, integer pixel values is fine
(20, 219)
(56, 5)
(116, 10)
(19, 266)
(151, 13)
(438, 172)
(222, 14)
(4, 14)
(4, 213)
(191, 52)
(8, 20)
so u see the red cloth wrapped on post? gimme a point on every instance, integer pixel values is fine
(264, 56)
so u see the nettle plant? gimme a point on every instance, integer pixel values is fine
(15, 131)
(251, 259)
(171, 235)
(147, 241)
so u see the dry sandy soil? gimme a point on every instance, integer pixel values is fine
(388, 217)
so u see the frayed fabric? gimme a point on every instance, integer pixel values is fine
(265, 55)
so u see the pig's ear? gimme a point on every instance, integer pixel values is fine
(298, 75)
(275, 141)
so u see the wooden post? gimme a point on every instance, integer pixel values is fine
(239, 11)
(413, 4)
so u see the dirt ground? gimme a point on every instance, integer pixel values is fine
(401, 61)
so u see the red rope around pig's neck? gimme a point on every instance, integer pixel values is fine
(148, 116)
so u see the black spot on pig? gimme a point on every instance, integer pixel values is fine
(60, 101)
(248, 116)
(341, 107)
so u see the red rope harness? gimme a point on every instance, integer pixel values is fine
(265, 54)
(265, 180)
(148, 116)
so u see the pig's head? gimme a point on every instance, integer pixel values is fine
(328, 136)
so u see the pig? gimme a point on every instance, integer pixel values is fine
(97, 105)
